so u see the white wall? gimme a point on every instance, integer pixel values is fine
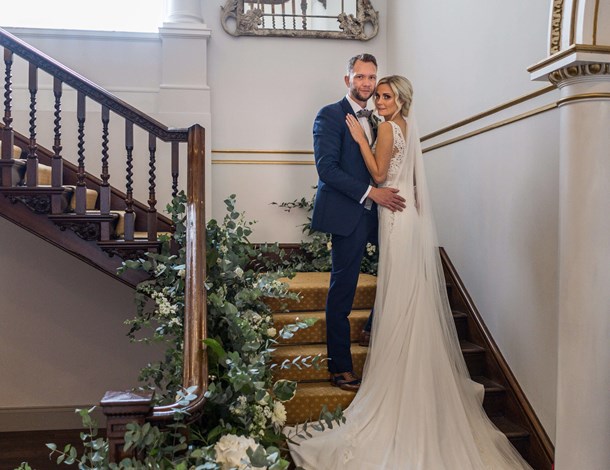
(265, 95)
(496, 194)
(63, 343)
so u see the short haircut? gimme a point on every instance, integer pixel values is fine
(360, 57)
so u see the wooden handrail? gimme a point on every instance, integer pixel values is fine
(123, 407)
(90, 89)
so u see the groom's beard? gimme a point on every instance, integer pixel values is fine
(361, 97)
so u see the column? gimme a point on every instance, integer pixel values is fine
(583, 389)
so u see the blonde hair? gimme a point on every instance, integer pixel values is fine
(403, 92)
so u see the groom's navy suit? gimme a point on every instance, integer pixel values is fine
(343, 181)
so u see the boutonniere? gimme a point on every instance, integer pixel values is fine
(374, 121)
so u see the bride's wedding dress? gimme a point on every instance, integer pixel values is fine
(417, 408)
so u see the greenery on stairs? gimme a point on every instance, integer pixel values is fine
(244, 413)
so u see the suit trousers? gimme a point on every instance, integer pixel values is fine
(346, 255)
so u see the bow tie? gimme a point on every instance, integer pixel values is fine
(365, 113)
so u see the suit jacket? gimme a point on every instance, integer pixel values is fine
(343, 176)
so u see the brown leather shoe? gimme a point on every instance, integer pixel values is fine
(345, 381)
(365, 338)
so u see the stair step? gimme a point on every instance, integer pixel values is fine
(495, 396)
(474, 356)
(311, 397)
(290, 353)
(313, 288)
(317, 332)
(17, 151)
(357, 319)
(461, 324)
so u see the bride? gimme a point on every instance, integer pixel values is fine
(417, 408)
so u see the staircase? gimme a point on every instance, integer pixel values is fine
(503, 401)
(51, 212)
(56, 197)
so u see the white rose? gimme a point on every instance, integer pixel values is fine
(231, 451)
(239, 272)
(329, 246)
(271, 332)
(182, 273)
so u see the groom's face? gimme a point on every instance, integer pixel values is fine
(361, 81)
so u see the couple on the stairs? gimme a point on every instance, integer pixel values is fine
(416, 407)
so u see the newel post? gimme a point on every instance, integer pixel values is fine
(120, 409)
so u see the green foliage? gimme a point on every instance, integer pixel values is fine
(243, 414)
(315, 250)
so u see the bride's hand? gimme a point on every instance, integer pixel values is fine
(356, 129)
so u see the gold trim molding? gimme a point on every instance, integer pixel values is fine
(266, 152)
(556, 18)
(261, 162)
(579, 71)
(584, 97)
(489, 112)
(491, 127)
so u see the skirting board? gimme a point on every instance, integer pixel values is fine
(45, 418)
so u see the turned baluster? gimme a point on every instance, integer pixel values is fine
(6, 134)
(105, 176)
(129, 213)
(81, 188)
(175, 174)
(31, 169)
(152, 201)
(57, 166)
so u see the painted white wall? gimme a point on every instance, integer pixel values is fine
(496, 194)
(63, 343)
(265, 95)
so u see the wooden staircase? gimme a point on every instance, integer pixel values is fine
(50, 212)
(62, 202)
(504, 401)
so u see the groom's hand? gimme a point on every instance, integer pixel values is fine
(388, 198)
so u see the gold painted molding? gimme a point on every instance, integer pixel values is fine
(595, 21)
(566, 52)
(556, 19)
(258, 152)
(491, 127)
(575, 71)
(489, 112)
(584, 97)
(261, 162)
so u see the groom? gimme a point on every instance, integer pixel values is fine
(345, 207)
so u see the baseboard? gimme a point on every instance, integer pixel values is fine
(45, 418)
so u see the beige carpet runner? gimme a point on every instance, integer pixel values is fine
(314, 390)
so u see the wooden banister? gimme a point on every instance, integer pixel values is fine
(122, 407)
(90, 89)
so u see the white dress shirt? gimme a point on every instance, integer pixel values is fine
(366, 126)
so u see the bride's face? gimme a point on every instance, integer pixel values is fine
(385, 101)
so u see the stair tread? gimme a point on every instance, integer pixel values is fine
(320, 348)
(508, 427)
(490, 385)
(321, 280)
